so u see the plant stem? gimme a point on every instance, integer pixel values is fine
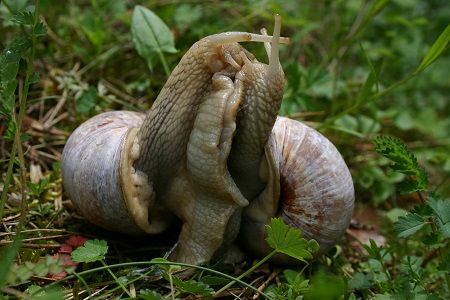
(8, 178)
(115, 278)
(17, 147)
(367, 101)
(230, 284)
(133, 264)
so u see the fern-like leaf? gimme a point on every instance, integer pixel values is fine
(404, 162)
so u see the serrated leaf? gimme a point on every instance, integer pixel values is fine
(361, 281)
(433, 241)
(394, 149)
(93, 250)
(410, 186)
(34, 78)
(287, 240)
(197, 288)
(442, 209)
(150, 295)
(40, 29)
(23, 18)
(9, 88)
(9, 72)
(16, 47)
(151, 36)
(424, 210)
(405, 162)
(409, 224)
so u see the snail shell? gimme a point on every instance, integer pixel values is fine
(99, 179)
(186, 158)
(313, 186)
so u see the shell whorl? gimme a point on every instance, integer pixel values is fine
(312, 183)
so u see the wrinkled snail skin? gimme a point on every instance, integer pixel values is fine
(210, 151)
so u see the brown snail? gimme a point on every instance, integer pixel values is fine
(212, 152)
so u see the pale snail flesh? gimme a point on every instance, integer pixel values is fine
(212, 152)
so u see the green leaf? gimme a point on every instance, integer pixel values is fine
(8, 255)
(410, 186)
(151, 36)
(9, 72)
(16, 47)
(87, 101)
(24, 137)
(361, 281)
(287, 240)
(436, 50)
(371, 80)
(150, 295)
(405, 162)
(9, 88)
(93, 250)
(376, 252)
(409, 224)
(394, 213)
(24, 18)
(424, 210)
(445, 264)
(40, 29)
(433, 241)
(296, 281)
(34, 78)
(442, 209)
(196, 288)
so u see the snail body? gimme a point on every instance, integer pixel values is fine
(212, 152)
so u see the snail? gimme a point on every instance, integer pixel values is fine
(212, 152)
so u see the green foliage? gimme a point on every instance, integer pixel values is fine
(93, 250)
(436, 50)
(190, 286)
(351, 71)
(409, 224)
(21, 273)
(289, 241)
(7, 259)
(405, 163)
(431, 219)
(11, 62)
(441, 207)
(295, 286)
(147, 294)
(151, 36)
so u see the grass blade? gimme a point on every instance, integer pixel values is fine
(436, 50)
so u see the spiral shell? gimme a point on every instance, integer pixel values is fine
(313, 186)
(97, 173)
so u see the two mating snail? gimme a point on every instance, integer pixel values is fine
(212, 152)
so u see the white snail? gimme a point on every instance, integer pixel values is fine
(212, 152)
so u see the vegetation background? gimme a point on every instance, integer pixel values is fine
(87, 63)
